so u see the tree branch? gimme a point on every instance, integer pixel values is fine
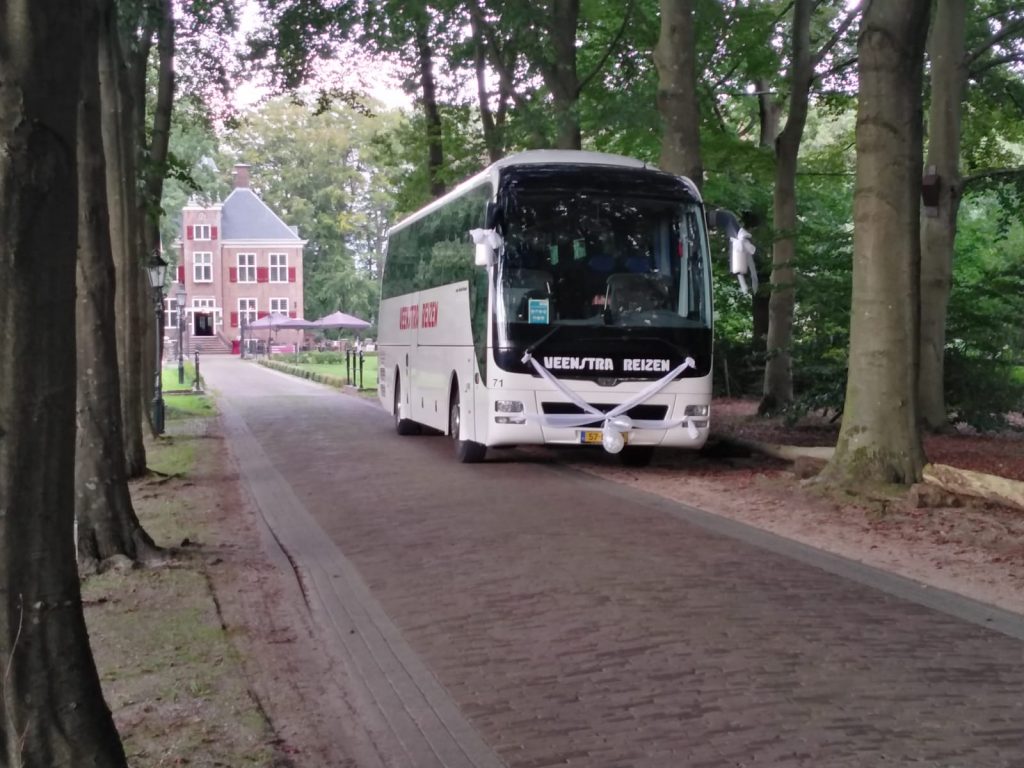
(837, 35)
(992, 173)
(611, 48)
(996, 62)
(995, 39)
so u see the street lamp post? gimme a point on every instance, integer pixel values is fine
(157, 269)
(180, 300)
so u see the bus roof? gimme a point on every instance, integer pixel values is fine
(534, 157)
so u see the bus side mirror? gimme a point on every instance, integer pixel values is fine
(487, 242)
(741, 249)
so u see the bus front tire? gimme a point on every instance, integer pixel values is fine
(466, 451)
(403, 426)
(636, 455)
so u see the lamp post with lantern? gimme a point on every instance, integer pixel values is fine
(157, 269)
(179, 297)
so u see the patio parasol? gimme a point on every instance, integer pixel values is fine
(340, 320)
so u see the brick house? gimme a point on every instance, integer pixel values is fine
(236, 259)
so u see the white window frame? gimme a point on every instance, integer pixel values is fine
(201, 232)
(279, 267)
(285, 302)
(246, 267)
(170, 313)
(202, 267)
(247, 308)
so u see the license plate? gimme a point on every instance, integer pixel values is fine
(594, 437)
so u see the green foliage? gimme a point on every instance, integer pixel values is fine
(320, 171)
(985, 336)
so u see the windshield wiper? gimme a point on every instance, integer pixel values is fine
(555, 329)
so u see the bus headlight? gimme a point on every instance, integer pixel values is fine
(697, 415)
(509, 412)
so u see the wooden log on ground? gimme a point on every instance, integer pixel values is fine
(783, 452)
(1000, 490)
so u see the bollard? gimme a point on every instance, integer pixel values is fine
(360, 369)
(348, 374)
(195, 385)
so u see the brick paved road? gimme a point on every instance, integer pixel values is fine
(578, 624)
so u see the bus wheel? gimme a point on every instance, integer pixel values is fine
(636, 455)
(402, 426)
(466, 451)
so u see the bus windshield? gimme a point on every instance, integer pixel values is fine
(598, 258)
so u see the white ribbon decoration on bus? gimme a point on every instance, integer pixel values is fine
(614, 420)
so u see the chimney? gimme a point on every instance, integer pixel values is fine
(241, 175)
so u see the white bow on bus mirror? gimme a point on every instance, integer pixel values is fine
(484, 255)
(487, 241)
(741, 259)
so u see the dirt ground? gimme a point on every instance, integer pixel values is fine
(213, 662)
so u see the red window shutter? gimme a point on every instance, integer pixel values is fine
(262, 274)
(233, 274)
(189, 232)
(181, 274)
(293, 314)
(261, 314)
(291, 274)
(213, 232)
(234, 319)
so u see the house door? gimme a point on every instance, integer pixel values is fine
(203, 324)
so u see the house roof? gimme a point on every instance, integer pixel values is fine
(245, 217)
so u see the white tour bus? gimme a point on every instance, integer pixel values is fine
(557, 297)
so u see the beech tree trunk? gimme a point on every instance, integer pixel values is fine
(778, 368)
(138, 327)
(938, 233)
(879, 439)
(431, 112)
(119, 136)
(107, 524)
(53, 712)
(676, 59)
(492, 137)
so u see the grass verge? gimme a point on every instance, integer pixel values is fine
(331, 374)
(170, 673)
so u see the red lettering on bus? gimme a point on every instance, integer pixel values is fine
(430, 314)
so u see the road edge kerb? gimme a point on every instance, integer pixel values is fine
(422, 720)
(951, 603)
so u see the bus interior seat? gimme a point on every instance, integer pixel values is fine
(601, 262)
(638, 263)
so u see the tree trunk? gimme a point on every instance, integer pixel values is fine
(431, 112)
(137, 297)
(53, 713)
(938, 232)
(879, 439)
(676, 59)
(778, 368)
(770, 118)
(107, 524)
(561, 76)
(492, 137)
(155, 171)
(119, 147)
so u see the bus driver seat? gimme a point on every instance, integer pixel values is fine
(636, 293)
